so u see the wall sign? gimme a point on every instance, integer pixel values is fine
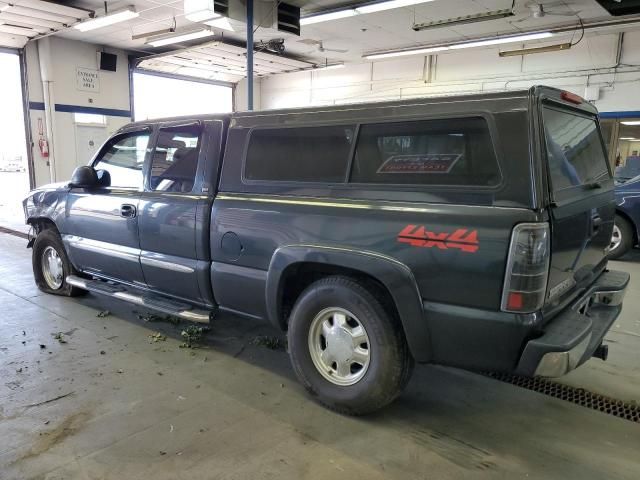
(87, 80)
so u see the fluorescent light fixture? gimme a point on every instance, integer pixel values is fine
(501, 40)
(631, 122)
(628, 138)
(478, 17)
(200, 10)
(325, 17)
(180, 37)
(401, 53)
(529, 51)
(106, 20)
(388, 5)
(222, 23)
(334, 66)
(154, 33)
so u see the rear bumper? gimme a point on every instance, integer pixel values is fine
(573, 335)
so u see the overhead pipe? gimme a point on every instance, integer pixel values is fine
(46, 75)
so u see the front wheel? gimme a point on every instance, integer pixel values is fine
(51, 266)
(345, 348)
(621, 238)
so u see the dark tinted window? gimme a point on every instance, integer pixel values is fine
(574, 149)
(431, 152)
(306, 154)
(175, 159)
(123, 158)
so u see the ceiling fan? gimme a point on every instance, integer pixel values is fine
(540, 10)
(320, 46)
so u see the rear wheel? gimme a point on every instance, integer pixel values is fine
(621, 238)
(346, 349)
(51, 266)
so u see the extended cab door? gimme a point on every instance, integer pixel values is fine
(581, 190)
(101, 225)
(172, 237)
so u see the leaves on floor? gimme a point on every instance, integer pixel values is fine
(270, 341)
(103, 314)
(157, 337)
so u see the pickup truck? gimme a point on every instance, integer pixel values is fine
(467, 231)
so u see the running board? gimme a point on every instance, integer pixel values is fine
(153, 302)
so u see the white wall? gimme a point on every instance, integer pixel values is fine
(591, 62)
(240, 95)
(67, 55)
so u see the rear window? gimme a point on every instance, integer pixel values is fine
(430, 152)
(574, 149)
(305, 154)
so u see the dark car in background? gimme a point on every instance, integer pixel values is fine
(627, 221)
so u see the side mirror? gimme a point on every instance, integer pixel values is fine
(84, 177)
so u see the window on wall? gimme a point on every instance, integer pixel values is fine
(123, 159)
(304, 154)
(627, 159)
(156, 97)
(426, 152)
(89, 118)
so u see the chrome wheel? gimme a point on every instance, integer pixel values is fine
(616, 238)
(52, 270)
(339, 346)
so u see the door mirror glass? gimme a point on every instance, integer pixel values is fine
(84, 177)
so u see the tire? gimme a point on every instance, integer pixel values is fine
(344, 305)
(623, 233)
(47, 242)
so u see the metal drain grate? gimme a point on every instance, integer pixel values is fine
(579, 396)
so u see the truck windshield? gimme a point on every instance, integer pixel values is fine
(574, 149)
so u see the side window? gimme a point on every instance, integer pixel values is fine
(123, 159)
(175, 159)
(304, 154)
(429, 152)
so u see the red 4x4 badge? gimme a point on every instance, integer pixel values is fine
(462, 239)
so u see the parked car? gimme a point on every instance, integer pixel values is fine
(627, 220)
(467, 231)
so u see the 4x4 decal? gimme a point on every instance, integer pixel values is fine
(462, 239)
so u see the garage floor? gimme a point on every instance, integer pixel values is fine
(113, 402)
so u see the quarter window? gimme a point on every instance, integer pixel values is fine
(175, 159)
(429, 152)
(123, 159)
(305, 154)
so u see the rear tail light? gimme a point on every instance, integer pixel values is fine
(525, 281)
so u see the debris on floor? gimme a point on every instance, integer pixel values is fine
(103, 314)
(60, 337)
(152, 317)
(157, 337)
(269, 341)
(192, 335)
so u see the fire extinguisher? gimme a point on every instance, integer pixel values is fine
(43, 144)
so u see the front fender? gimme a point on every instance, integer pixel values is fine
(394, 275)
(45, 204)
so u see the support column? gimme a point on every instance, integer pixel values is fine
(249, 55)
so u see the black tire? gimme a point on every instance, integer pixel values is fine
(390, 364)
(51, 238)
(626, 238)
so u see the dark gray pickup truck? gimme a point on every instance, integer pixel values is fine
(468, 231)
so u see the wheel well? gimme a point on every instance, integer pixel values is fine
(297, 277)
(633, 225)
(40, 224)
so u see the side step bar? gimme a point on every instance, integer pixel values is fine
(153, 302)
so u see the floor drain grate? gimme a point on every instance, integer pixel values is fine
(579, 396)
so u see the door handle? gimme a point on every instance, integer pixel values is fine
(596, 221)
(127, 210)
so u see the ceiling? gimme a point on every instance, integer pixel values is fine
(353, 36)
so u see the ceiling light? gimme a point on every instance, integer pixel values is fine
(478, 17)
(388, 5)
(628, 138)
(154, 33)
(400, 53)
(334, 66)
(325, 17)
(222, 23)
(529, 51)
(106, 20)
(180, 37)
(501, 40)
(632, 122)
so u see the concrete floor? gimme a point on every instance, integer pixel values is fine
(131, 408)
